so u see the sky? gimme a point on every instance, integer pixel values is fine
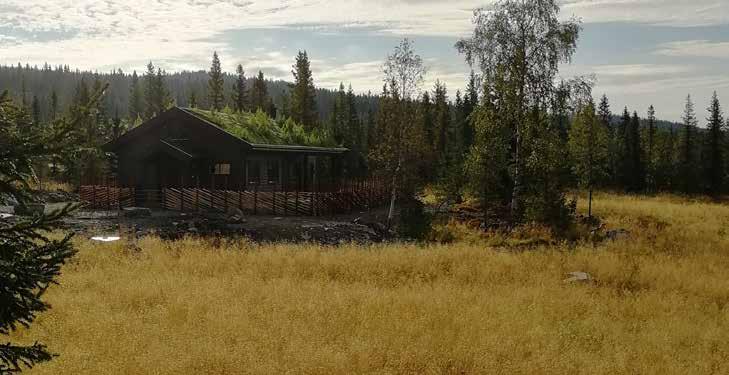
(642, 52)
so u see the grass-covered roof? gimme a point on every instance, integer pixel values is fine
(259, 128)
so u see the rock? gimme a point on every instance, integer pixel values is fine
(578, 277)
(137, 212)
(618, 234)
(30, 209)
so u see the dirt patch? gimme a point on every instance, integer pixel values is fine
(364, 228)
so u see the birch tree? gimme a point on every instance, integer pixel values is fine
(518, 45)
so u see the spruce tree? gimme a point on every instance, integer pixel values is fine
(136, 98)
(622, 140)
(426, 107)
(470, 101)
(258, 93)
(650, 149)
(36, 110)
(687, 152)
(604, 115)
(441, 118)
(30, 262)
(303, 93)
(588, 148)
(636, 169)
(215, 85)
(240, 92)
(54, 106)
(192, 99)
(714, 159)
(150, 92)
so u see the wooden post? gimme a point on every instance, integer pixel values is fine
(197, 193)
(274, 199)
(226, 194)
(240, 195)
(255, 199)
(296, 203)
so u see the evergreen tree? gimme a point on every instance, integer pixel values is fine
(259, 94)
(54, 106)
(604, 115)
(624, 160)
(636, 169)
(650, 150)
(192, 99)
(666, 165)
(30, 262)
(338, 117)
(441, 118)
(36, 111)
(150, 92)
(303, 93)
(714, 155)
(240, 92)
(426, 107)
(588, 148)
(470, 101)
(136, 98)
(687, 152)
(216, 95)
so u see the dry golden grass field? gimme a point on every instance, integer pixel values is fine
(659, 305)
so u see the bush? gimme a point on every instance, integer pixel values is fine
(415, 222)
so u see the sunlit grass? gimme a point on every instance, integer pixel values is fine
(659, 305)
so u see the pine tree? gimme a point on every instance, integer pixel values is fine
(136, 98)
(303, 93)
(714, 164)
(666, 164)
(30, 262)
(338, 116)
(650, 150)
(215, 85)
(240, 92)
(687, 152)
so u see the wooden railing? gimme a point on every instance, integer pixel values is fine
(345, 198)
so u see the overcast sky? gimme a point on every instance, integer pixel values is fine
(642, 51)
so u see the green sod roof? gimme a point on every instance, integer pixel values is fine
(259, 128)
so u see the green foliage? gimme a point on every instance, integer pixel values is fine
(415, 222)
(240, 93)
(260, 128)
(688, 159)
(215, 85)
(519, 46)
(713, 164)
(30, 262)
(588, 147)
(303, 93)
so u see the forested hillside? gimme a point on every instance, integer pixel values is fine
(28, 83)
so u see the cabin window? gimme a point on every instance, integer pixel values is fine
(272, 172)
(222, 169)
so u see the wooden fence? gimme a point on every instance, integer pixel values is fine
(347, 197)
(107, 197)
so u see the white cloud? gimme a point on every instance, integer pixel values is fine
(695, 48)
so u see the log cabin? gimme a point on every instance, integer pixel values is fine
(184, 147)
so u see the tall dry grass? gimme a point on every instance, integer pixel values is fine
(660, 304)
